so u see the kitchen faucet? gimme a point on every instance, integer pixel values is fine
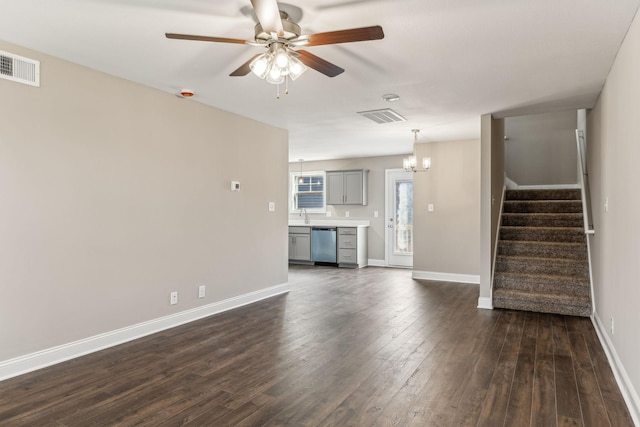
(303, 211)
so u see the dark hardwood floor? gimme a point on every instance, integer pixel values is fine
(368, 347)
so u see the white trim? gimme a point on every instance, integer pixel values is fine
(547, 187)
(485, 303)
(41, 359)
(629, 393)
(495, 251)
(377, 263)
(446, 277)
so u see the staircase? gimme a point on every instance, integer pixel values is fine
(542, 262)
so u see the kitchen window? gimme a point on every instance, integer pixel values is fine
(308, 192)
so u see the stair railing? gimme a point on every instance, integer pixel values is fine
(584, 183)
(586, 207)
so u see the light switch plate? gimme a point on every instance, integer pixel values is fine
(430, 207)
(272, 206)
(235, 186)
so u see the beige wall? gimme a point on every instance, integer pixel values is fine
(541, 148)
(492, 186)
(447, 239)
(614, 151)
(376, 183)
(113, 194)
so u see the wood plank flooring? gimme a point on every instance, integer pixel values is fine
(368, 347)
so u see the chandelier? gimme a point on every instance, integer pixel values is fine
(410, 164)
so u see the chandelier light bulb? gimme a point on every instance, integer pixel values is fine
(412, 162)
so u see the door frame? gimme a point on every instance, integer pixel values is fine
(387, 208)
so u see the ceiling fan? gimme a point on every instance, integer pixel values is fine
(282, 37)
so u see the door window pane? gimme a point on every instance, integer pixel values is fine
(403, 241)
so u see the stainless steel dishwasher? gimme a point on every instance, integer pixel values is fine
(323, 245)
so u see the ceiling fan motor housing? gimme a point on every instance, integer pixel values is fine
(291, 31)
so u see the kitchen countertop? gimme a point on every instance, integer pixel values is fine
(331, 223)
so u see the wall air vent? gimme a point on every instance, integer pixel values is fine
(19, 69)
(386, 115)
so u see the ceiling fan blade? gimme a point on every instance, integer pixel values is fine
(244, 69)
(205, 38)
(346, 36)
(319, 64)
(268, 14)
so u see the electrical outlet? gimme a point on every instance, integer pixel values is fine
(346, 214)
(612, 326)
(328, 214)
(173, 298)
(430, 207)
(272, 206)
(201, 291)
(375, 214)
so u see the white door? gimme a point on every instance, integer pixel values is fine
(399, 218)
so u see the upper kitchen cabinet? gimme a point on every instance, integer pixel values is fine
(347, 187)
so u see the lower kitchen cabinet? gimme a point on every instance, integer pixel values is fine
(300, 244)
(352, 247)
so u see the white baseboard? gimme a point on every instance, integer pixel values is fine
(41, 359)
(629, 393)
(485, 303)
(446, 277)
(377, 263)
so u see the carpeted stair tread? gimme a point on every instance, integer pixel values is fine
(564, 250)
(543, 234)
(542, 219)
(562, 267)
(541, 282)
(551, 302)
(557, 194)
(542, 206)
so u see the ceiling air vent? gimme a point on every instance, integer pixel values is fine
(386, 115)
(19, 69)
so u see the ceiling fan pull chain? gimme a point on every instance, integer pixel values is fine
(278, 91)
(286, 85)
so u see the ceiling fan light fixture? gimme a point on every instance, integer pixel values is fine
(282, 58)
(275, 75)
(260, 65)
(277, 64)
(296, 68)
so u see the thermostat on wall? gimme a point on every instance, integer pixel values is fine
(235, 186)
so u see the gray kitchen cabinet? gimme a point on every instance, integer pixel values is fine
(352, 247)
(347, 187)
(299, 244)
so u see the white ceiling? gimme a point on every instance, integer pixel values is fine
(449, 60)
